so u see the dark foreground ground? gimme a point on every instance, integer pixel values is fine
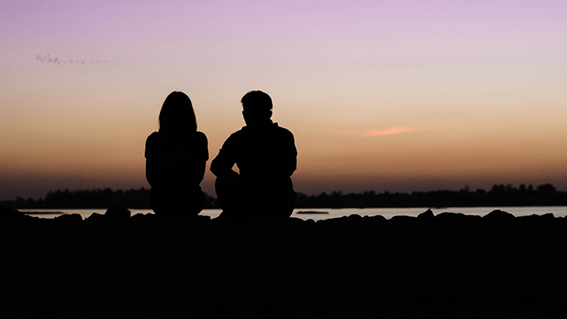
(444, 266)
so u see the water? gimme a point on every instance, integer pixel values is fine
(557, 211)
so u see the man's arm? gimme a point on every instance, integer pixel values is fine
(222, 165)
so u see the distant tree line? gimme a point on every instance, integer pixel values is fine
(499, 195)
(94, 198)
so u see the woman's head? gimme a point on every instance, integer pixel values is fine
(177, 114)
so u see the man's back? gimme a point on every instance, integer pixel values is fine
(266, 158)
(262, 152)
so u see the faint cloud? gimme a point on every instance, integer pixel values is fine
(390, 131)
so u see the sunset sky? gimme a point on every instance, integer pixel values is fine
(403, 95)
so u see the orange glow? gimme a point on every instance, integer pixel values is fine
(390, 131)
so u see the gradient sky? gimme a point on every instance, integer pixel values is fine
(381, 95)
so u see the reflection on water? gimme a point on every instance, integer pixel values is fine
(557, 211)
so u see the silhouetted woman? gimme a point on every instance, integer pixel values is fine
(175, 160)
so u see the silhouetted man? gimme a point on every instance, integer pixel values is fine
(266, 158)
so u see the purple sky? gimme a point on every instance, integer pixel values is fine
(475, 90)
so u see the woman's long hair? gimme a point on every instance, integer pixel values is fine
(177, 115)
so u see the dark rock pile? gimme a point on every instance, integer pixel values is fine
(435, 266)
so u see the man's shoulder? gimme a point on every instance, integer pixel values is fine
(247, 133)
(233, 139)
(283, 130)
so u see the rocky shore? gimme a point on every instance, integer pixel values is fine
(433, 266)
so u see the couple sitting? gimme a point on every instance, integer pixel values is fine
(264, 153)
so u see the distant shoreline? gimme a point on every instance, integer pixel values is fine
(497, 196)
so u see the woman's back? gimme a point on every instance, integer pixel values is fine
(176, 161)
(176, 157)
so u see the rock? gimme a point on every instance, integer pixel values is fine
(548, 217)
(345, 220)
(139, 218)
(535, 219)
(294, 221)
(448, 217)
(498, 216)
(426, 216)
(354, 218)
(68, 219)
(144, 218)
(377, 219)
(309, 222)
(331, 221)
(202, 218)
(403, 219)
(11, 214)
(95, 218)
(117, 212)
(529, 218)
(473, 218)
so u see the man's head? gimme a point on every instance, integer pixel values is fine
(257, 107)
